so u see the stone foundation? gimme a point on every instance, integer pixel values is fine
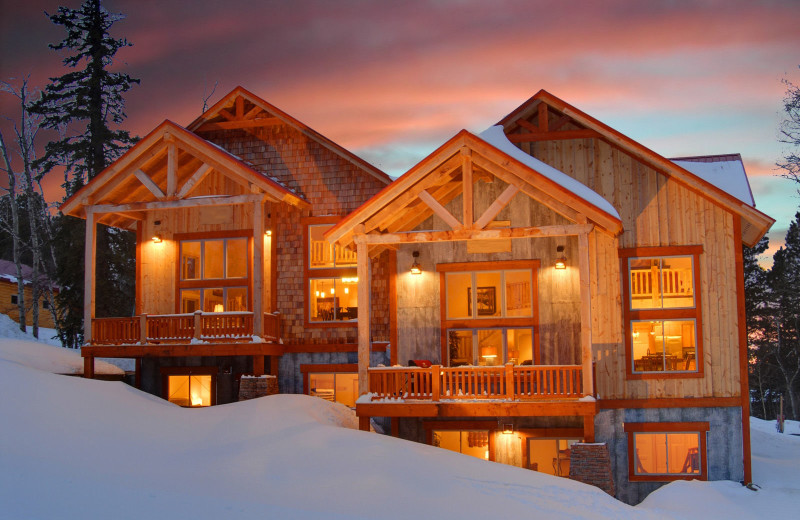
(590, 463)
(251, 387)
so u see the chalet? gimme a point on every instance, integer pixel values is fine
(519, 295)
(9, 294)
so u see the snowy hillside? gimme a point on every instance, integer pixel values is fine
(76, 448)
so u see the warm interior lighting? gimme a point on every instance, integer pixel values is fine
(322, 294)
(561, 261)
(268, 233)
(316, 293)
(508, 429)
(218, 307)
(333, 290)
(196, 400)
(347, 290)
(156, 239)
(488, 352)
(353, 279)
(415, 267)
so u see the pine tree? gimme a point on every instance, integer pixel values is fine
(83, 105)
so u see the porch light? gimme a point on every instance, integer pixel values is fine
(268, 232)
(415, 267)
(156, 238)
(561, 261)
(218, 307)
(508, 429)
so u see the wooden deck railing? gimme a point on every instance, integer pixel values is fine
(507, 382)
(183, 328)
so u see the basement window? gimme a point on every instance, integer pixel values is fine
(667, 451)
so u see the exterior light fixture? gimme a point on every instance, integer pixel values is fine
(561, 261)
(156, 239)
(268, 232)
(508, 428)
(415, 267)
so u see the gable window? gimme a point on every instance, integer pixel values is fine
(489, 313)
(662, 302)
(214, 274)
(331, 281)
(667, 451)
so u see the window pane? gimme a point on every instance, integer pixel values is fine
(474, 443)
(661, 283)
(344, 257)
(236, 299)
(664, 345)
(347, 389)
(178, 390)
(459, 344)
(320, 251)
(347, 296)
(519, 299)
(490, 347)
(645, 274)
(237, 258)
(200, 390)
(677, 282)
(684, 453)
(322, 385)
(488, 293)
(459, 295)
(520, 346)
(323, 303)
(190, 260)
(650, 453)
(213, 300)
(213, 259)
(667, 453)
(190, 300)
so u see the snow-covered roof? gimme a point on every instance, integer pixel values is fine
(496, 137)
(726, 172)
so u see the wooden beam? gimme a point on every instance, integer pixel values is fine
(542, 117)
(558, 123)
(253, 112)
(553, 136)
(240, 124)
(117, 178)
(194, 180)
(258, 365)
(411, 237)
(467, 181)
(586, 312)
(88, 367)
(440, 210)
(184, 350)
(364, 304)
(527, 125)
(258, 269)
(496, 206)
(172, 169)
(223, 112)
(239, 107)
(149, 184)
(89, 262)
(221, 200)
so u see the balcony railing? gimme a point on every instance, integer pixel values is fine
(183, 328)
(507, 382)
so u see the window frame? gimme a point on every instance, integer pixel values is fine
(326, 368)
(670, 314)
(666, 428)
(322, 273)
(214, 283)
(189, 371)
(503, 323)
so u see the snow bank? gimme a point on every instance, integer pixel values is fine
(55, 360)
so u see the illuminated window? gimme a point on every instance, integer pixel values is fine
(322, 254)
(333, 299)
(189, 387)
(662, 311)
(468, 442)
(340, 387)
(667, 451)
(214, 275)
(549, 455)
(490, 347)
(332, 282)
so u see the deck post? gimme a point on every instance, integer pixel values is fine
(258, 365)
(362, 255)
(586, 313)
(143, 328)
(588, 428)
(436, 387)
(258, 268)
(89, 263)
(509, 376)
(363, 423)
(137, 375)
(88, 367)
(198, 324)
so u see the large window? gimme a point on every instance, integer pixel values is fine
(468, 442)
(489, 313)
(662, 303)
(214, 274)
(333, 382)
(332, 283)
(667, 451)
(190, 387)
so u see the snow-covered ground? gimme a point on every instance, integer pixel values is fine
(77, 448)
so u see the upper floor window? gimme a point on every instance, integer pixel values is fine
(662, 310)
(332, 283)
(322, 254)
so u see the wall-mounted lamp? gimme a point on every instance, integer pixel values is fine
(508, 428)
(268, 232)
(561, 261)
(156, 239)
(415, 267)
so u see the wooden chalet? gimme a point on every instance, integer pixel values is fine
(562, 283)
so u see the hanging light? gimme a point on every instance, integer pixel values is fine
(561, 261)
(415, 267)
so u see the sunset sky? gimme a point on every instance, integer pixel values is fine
(393, 80)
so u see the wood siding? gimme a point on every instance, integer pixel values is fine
(9, 289)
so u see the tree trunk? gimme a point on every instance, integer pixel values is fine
(12, 194)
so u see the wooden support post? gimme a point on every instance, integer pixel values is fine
(88, 367)
(588, 428)
(508, 372)
(586, 313)
(90, 249)
(274, 365)
(172, 169)
(466, 179)
(395, 426)
(362, 255)
(363, 423)
(258, 268)
(198, 324)
(258, 365)
(436, 386)
(137, 374)
(143, 328)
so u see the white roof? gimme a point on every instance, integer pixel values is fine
(497, 138)
(727, 175)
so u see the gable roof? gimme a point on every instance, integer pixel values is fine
(250, 111)
(754, 223)
(427, 187)
(166, 165)
(726, 172)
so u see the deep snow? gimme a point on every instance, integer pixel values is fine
(77, 448)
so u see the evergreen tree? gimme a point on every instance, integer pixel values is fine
(83, 105)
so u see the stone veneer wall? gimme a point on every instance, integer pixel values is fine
(251, 387)
(590, 463)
